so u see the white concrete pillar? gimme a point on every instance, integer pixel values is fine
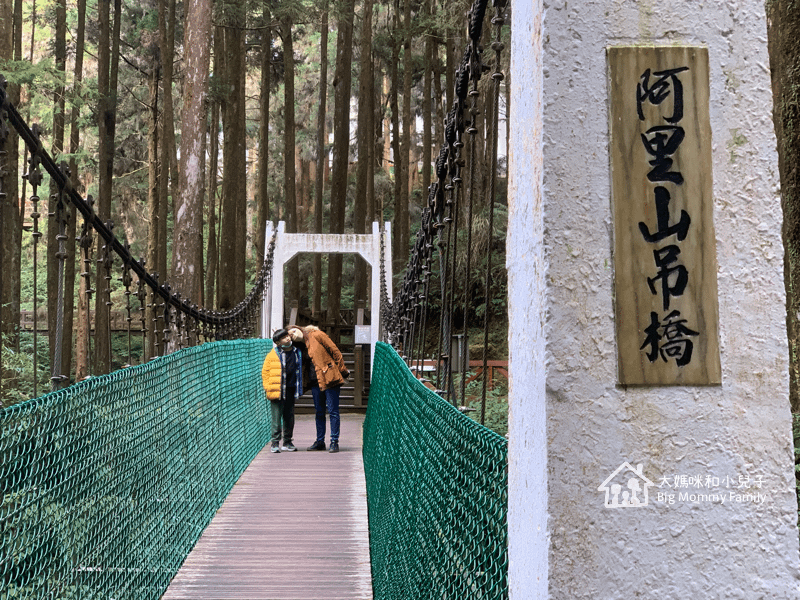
(525, 259)
(720, 519)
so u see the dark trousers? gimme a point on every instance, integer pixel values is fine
(329, 399)
(282, 411)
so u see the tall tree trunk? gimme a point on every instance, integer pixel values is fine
(212, 259)
(219, 65)
(153, 197)
(379, 138)
(316, 305)
(262, 212)
(233, 244)
(341, 152)
(389, 89)
(427, 120)
(366, 96)
(374, 91)
(187, 244)
(168, 174)
(450, 69)
(82, 348)
(166, 30)
(438, 106)
(10, 215)
(106, 124)
(402, 218)
(783, 29)
(289, 156)
(81, 345)
(53, 228)
(398, 250)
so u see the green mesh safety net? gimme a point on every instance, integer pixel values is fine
(107, 485)
(437, 493)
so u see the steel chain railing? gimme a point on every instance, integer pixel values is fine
(176, 313)
(437, 481)
(107, 485)
(437, 497)
(405, 320)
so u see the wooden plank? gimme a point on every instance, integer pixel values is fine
(294, 526)
(665, 264)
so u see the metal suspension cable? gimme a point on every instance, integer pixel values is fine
(34, 176)
(497, 77)
(475, 64)
(104, 230)
(57, 378)
(407, 321)
(215, 319)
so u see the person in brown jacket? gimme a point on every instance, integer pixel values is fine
(326, 373)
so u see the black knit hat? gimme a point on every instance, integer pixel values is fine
(281, 333)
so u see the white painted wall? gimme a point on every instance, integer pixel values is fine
(687, 549)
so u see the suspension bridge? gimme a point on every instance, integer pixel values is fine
(109, 484)
(124, 485)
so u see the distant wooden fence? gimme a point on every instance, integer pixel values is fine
(475, 366)
(118, 321)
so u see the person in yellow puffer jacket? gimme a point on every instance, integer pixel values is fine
(282, 378)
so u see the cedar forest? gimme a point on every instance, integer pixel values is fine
(191, 122)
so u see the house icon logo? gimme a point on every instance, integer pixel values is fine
(626, 487)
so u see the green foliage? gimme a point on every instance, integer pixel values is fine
(496, 416)
(41, 76)
(18, 369)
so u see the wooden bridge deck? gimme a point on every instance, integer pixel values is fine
(293, 527)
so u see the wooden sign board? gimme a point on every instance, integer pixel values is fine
(665, 267)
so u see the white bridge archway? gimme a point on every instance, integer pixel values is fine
(288, 245)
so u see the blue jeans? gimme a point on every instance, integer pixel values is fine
(328, 399)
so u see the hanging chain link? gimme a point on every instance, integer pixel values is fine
(441, 227)
(169, 309)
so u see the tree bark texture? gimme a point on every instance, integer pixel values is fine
(232, 224)
(187, 239)
(10, 216)
(262, 212)
(341, 152)
(319, 179)
(783, 31)
(212, 259)
(105, 116)
(168, 175)
(166, 37)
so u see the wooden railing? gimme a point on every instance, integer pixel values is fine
(118, 321)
